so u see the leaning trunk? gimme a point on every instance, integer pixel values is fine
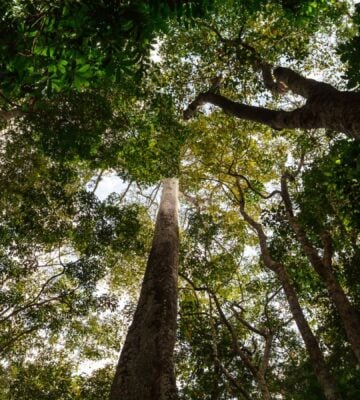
(312, 346)
(146, 370)
(323, 375)
(348, 315)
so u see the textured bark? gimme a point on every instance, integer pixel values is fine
(324, 269)
(326, 107)
(322, 373)
(146, 370)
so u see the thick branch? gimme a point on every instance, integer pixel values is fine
(302, 117)
(266, 357)
(305, 87)
(256, 114)
(328, 248)
(270, 83)
(326, 107)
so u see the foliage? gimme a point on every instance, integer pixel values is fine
(94, 103)
(48, 47)
(349, 52)
(46, 379)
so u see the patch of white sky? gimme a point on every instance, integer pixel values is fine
(109, 183)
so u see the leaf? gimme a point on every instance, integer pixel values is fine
(83, 69)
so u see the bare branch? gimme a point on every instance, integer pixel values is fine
(122, 196)
(98, 180)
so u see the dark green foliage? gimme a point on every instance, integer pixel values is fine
(152, 144)
(332, 189)
(98, 225)
(47, 47)
(301, 382)
(97, 385)
(71, 126)
(44, 379)
(350, 53)
(57, 242)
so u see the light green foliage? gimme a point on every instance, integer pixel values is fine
(45, 379)
(278, 31)
(153, 139)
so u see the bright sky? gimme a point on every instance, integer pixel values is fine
(109, 184)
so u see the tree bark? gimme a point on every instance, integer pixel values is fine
(326, 107)
(324, 269)
(146, 370)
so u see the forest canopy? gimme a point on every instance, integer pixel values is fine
(180, 184)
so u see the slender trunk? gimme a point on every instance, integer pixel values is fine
(326, 107)
(264, 365)
(146, 370)
(347, 313)
(312, 346)
(263, 388)
(322, 373)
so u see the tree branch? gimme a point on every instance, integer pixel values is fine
(273, 193)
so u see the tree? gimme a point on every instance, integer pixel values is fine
(145, 369)
(212, 156)
(87, 107)
(323, 266)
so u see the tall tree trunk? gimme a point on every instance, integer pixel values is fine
(326, 107)
(323, 267)
(146, 370)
